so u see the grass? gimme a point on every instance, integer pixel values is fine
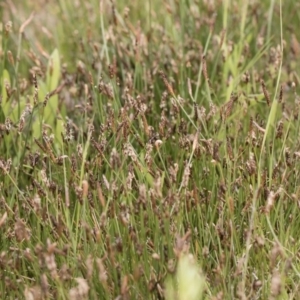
(149, 150)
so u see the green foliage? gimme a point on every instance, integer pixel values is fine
(188, 283)
(48, 114)
(5, 101)
(158, 136)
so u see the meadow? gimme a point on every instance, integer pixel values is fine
(149, 149)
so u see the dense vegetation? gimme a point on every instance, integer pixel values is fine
(149, 149)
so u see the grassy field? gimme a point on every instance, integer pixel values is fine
(149, 149)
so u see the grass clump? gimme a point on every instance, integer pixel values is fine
(149, 150)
